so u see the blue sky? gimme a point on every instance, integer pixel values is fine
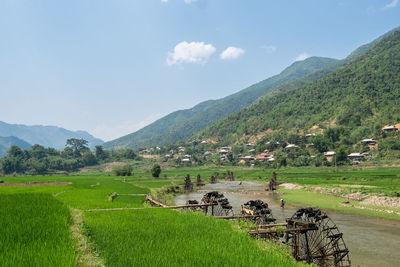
(111, 67)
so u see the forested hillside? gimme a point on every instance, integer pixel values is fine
(181, 124)
(360, 97)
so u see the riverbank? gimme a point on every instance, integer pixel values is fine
(317, 197)
(362, 234)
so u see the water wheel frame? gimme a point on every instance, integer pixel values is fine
(191, 202)
(321, 244)
(221, 207)
(263, 215)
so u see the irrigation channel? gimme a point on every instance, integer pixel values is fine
(371, 241)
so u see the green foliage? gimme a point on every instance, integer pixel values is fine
(7, 142)
(359, 99)
(156, 170)
(39, 160)
(79, 146)
(122, 170)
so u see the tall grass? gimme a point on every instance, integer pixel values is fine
(160, 237)
(34, 231)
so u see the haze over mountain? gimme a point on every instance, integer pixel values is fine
(181, 124)
(47, 136)
(361, 97)
(7, 142)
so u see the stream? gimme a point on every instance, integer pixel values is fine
(371, 241)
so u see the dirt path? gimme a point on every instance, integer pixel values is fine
(85, 251)
(36, 184)
(113, 209)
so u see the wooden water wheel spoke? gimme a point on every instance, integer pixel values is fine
(323, 245)
(222, 206)
(261, 210)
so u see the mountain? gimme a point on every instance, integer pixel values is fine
(181, 124)
(324, 71)
(47, 136)
(7, 142)
(360, 97)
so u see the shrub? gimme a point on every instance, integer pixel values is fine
(122, 170)
(156, 170)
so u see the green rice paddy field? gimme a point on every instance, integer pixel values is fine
(36, 223)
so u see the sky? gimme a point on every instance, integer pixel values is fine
(113, 67)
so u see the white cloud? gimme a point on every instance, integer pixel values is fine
(269, 48)
(231, 53)
(190, 1)
(164, 1)
(109, 132)
(302, 56)
(193, 52)
(391, 4)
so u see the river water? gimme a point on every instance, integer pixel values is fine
(371, 241)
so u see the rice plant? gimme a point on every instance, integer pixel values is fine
(160, 237)
(35, 231)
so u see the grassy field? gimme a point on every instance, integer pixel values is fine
(314, 199)
(161, 237)
(158, 237)
(145, 237)
(35, 231)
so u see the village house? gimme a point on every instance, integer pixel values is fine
(310, 135)
(247, 158)
(371, 143)
(330, 155)
(291, 146)
(368, 142)
(390, 128)
(223, 151)
(144, 151)
(356, 157)
(262, 157)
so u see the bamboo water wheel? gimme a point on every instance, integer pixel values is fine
(258, 208)
(321, 243)
(221, 207)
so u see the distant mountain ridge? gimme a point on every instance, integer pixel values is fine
(361, 97)
(8, 141)
(47, 136)
(180, 124)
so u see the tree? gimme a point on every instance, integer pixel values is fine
(8, 165)
(156, 170)
(321, 143)
(88, 158)
(78, 146)
(38, 151)
(14, 151)
(122, 170)
(100, 153)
